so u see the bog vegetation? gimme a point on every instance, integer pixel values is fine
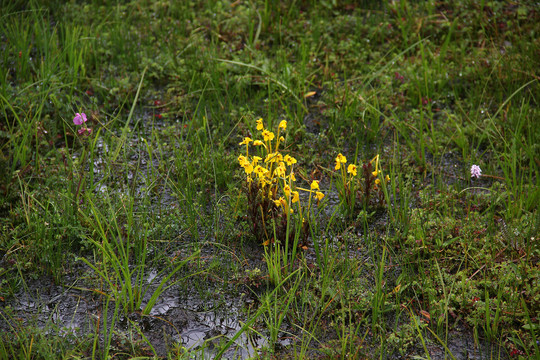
(355, 179)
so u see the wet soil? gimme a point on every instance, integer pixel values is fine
(184, 316)
(180, 317)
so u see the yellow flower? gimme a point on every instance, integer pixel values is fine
(292, 177)
(273, 157)
(340, 159)
(280, 170)
(242, 160)
(289, 160)
(262, 181)
(281, 138)
(315, 185)
(246, 141)
(248, 168)
(319, 195)
(260, 124)
(377, 171)
(352, 169)
(258, 142)
(260, 171)
(277, 202)
(387, 178)
(287, 190)
(283, 125)
(256, 159)
(377, 181)
(268, 135)
(296, 197)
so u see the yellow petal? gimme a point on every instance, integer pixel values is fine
(287, 190)
(268, 135)
(256, 159)
(260, 124)
(246, 141)
(340, 158)
(242, 160)
(289, 160)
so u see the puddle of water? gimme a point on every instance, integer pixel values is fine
(151, 276)
(63, 312)
(216, 329)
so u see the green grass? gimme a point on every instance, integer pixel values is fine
(171, 89)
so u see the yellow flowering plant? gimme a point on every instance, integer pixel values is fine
(272, 194)
(359, 188)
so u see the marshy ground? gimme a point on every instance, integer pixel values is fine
(266, 179)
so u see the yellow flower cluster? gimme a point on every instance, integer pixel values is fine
(352, 170)
(272, 171)
(354, 189)
(377, 171)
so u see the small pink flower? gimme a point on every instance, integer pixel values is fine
(79, 119)
(476, 171)
(83, 131)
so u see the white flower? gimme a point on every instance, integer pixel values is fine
(476, 171)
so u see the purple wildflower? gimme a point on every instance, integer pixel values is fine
(476, 171)
(79, 119)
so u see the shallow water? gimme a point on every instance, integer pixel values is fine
(187, 321)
